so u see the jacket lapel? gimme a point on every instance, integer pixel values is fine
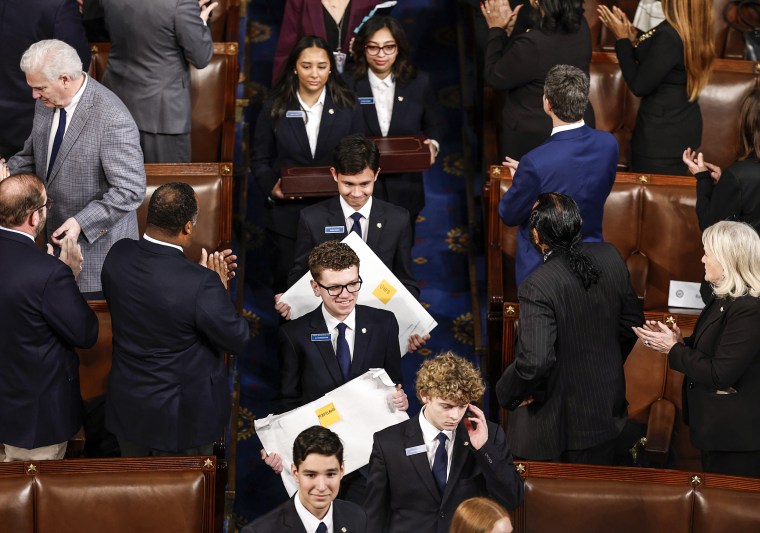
(458, 458)
(412, 438)
(377, 222)
(317, 325)
(297, 129)
(290, 519)
(364, 90)
(703, 325)
(42, 138)
(73, 130)
(361, 341)
(324, 143)
(335, 215)
(399, 107)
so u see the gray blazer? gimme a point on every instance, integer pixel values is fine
(151, 46)
(98, 176)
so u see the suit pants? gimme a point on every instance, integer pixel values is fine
(43, 453)
(602, 454)
(746, 464)
(163, 148)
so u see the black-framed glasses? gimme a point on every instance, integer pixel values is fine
(47, 204)
(388, 49)
(335, 290)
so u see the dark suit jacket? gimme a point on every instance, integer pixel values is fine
(402, 495)
(580, 163)
(389, 236)
(172, 320)
(151, 48)
(723, 352)
(43, 317)
(571, 348)
(415, 111)
(518, 65)
(305, 17)
(347, 517)
(286, 144)
(309, 369)
(23, 23)
(667, 123)
(736, 196)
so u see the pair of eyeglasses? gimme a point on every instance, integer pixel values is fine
(47, 204)
(336, 290)
(388, 49)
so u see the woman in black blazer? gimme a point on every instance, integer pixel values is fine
(735, 193)
(667, 67)
(518, 64)
(721, 359)
(382, 63)
(310, 89)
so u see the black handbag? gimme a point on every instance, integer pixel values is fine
(746, 20)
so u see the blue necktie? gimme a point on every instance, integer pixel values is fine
(58, 139)
(342, 352)
(441, 462)
(357, 227)
(321, 528)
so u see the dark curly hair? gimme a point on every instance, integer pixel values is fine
(172, 206)
(559, 16)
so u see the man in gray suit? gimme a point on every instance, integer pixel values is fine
(152, 43)
(566, 386)
(85, 145)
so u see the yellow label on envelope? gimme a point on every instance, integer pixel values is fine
(384, 292)
(328, 415)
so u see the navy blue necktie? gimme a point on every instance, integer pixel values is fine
(357, 227)
(58, 139)
(343, 352)
(321, 528)
(441, 462)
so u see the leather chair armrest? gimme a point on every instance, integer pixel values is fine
(662, 416)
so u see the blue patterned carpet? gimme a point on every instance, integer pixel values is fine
(439, 254)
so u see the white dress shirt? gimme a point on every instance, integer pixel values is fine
(162, 243)
(364, 212)
(567, 127)
(430, 435)
(311, 522)
(383, 92)
(312, 118)
(69, 115)
(332, 328)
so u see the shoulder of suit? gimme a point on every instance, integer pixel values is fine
(746, 168)
(320, 207)
(351, 508)
(391, 433)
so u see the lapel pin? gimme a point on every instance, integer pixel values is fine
(343, 529)
(466, 443)
(331, 111)
(721, 309)
(364, 330)
(379, 224)
(400, 98)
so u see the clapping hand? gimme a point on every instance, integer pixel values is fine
(617, 22)
(71, 254)
(696, 163)
(499, 14)
(217, 263)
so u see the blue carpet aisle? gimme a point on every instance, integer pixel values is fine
(439, 254)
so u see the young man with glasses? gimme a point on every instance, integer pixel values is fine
(335, 343)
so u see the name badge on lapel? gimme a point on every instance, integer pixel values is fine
(320, 337)
(414, 450)
(335, 229)
(366, 100)
(294, 114)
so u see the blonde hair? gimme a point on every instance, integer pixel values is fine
(477, 515)
(450, 377)
(693, 21)
(736, 247)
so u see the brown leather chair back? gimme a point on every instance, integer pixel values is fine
(212, 99)
(212, 183)
(225, 21)
(95, 362)
(16, 502)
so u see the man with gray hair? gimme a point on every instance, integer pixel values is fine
(85, 145)
(576, 160)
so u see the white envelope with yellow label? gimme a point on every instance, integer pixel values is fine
(355, 411)
(380, 289)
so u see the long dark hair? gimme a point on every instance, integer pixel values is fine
(558, 221)
(559, 16)
(402, 69)
(749, 126)
(285, 93)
